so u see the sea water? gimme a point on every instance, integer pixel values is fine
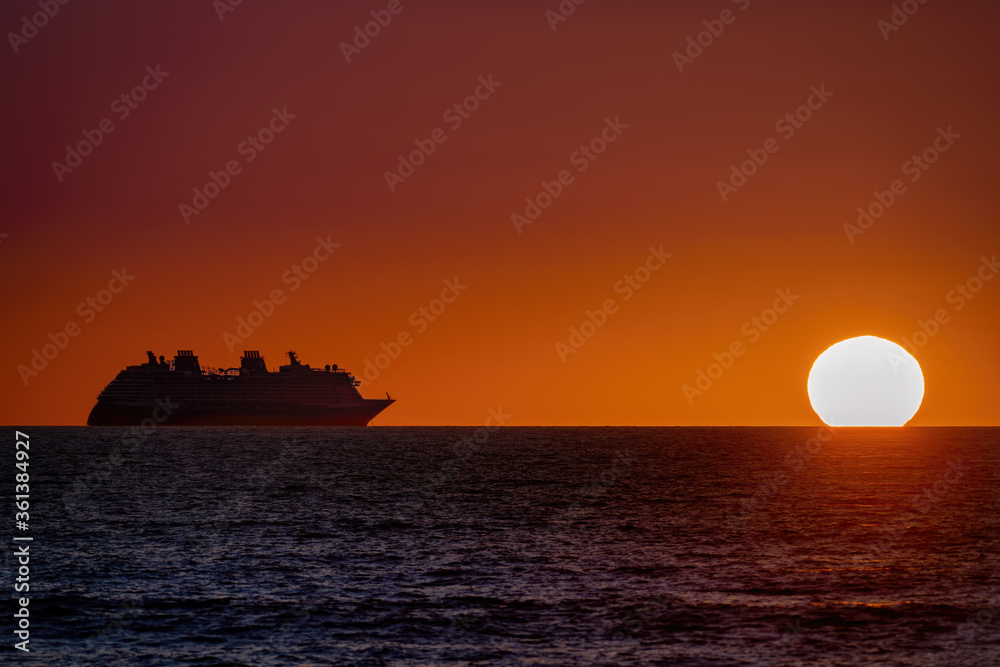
(513, 546)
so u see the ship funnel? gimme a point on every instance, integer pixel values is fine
(252, 363)
(186, 361)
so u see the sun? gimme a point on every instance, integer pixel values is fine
(865, 381)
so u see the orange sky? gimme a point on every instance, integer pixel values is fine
(495, 345)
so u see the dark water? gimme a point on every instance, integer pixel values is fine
(535, 546)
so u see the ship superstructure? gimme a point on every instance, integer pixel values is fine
(183, 392)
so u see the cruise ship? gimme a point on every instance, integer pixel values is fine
(181, 392)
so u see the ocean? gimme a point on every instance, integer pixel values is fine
(512, 546)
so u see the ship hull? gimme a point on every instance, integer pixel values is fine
(117, 414)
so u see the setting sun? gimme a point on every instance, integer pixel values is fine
(865, 381)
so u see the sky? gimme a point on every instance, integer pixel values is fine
(622, 189)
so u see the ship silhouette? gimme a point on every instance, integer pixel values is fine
(181, 392)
